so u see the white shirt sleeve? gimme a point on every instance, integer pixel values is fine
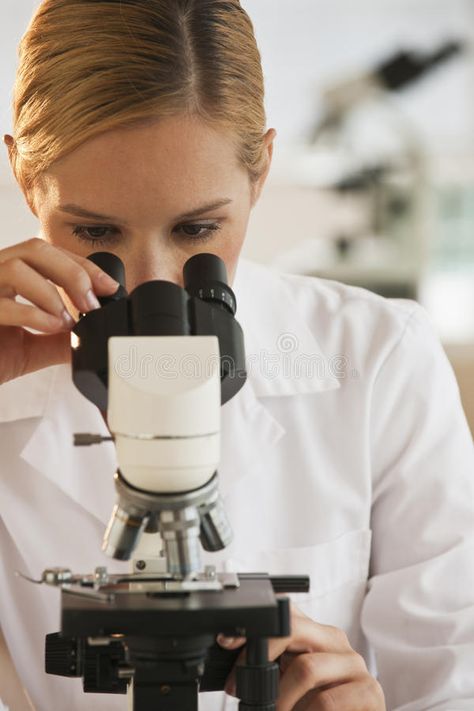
(418, 614)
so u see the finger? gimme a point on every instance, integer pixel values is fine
(306, 636)
(313, 671)
(79, 277)
(285, 660)
(16, 314)
(230, 642)
(16, 277)
(101, 280)
(309, 636)
(103, 283)
(359, 695)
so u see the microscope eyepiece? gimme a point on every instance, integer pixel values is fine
(114, 267)
(111, 264)
(205, 276)
(202, 268)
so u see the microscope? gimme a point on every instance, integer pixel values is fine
(161, 362)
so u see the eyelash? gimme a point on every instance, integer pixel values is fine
(79, 232)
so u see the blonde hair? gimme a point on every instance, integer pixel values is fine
(89, 66)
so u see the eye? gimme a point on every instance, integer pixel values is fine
(107, 234)
(83, 232)
(198, 232)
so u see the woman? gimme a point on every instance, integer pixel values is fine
(139, 129)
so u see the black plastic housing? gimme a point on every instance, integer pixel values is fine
(160, 308)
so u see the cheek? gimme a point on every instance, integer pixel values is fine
(230, 255)
(227, 244)
(231, 246)
(61, 239)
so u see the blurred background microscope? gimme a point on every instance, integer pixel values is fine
(373, 175)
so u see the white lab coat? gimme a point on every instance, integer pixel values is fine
(346, 455)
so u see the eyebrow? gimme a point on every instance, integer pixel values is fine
(82, 212)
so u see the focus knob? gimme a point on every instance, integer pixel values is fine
(101, 669)
(258, 686)
(64, 656)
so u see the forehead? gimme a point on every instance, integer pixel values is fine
(125, 170)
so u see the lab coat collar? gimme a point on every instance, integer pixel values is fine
(85, 474)
(283, 355)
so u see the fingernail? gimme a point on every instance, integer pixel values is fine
(56, 321)
(225, 641)
(108, 281)
(92, 301)
(68, 319)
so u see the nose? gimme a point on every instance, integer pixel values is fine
(136, 275)
(149, 259)
(133, 283)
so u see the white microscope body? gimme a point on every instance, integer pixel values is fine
(164, 410)
(164, 414)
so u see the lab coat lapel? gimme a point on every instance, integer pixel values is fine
(83, 473)
(248, 430)
(282, 351)
(283, 359)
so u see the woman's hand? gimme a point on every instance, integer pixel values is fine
(319, 669)
(31, 269)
